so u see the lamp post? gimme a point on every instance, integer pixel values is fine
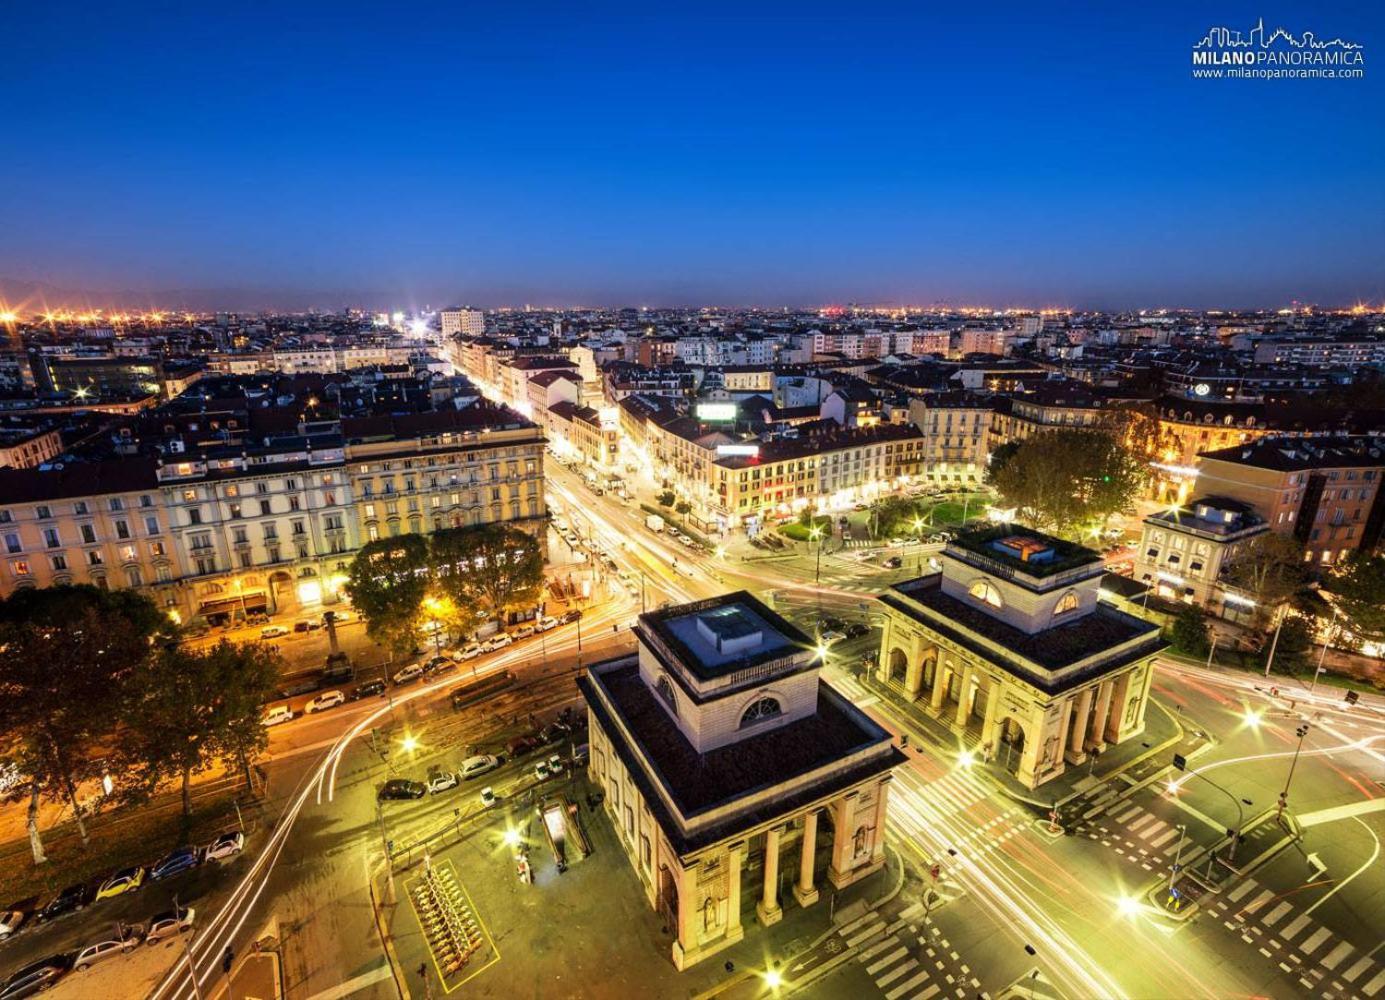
(1327, 641)
(1182, 829)
(1274, 643)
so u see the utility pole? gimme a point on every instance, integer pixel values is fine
(1212, 650)
(1274, 644)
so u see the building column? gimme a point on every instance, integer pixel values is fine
(768, 907)
(913, 677)
(685, 947)
(882, 800)
(1097, 733)
(964, 696)
(844, 832)
(940, 669)
(1077, 748)
(988, 728)
(1027, 772)
(734, 930)
(805, 892)
(1120, 697)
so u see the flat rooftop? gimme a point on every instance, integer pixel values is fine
(720, 636)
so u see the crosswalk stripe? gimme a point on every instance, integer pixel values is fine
(1241, 890)
(1122, 817)
(907, 985)
(928, 993)
(1276, 915)
(896, 972)
(1374, 985)
(878, 947)
(1318, 937)
(866, 935)
(1254, 905)
(1359, 966)
(1296, 925)
(1335, 956)
(1141, 822)
(889, 959)
(1164, 838)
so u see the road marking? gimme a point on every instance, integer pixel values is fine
(1164, 838)
(1341, 812)
(1358, 967)
(1371, 987)
(1317, 938)
(1142, 821)
(895, 973)
(1241, 890)
(928, 993)
(1122, 817)
(889, 959)
(1258, 901)
(1277, 914)
(866, 934)
(1335, 956)
(878, 947)
(1296, 925)
(355, 984)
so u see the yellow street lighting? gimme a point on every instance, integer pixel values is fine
(1128, 906)
(511, 837)
(773, 979)
(822, 651)
(966, 759)
(409, 743)
(1252, 718)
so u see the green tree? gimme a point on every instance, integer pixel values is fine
(1065, 480)
(1268, 569)
(1358, 591)
(894, 516)
(683, 507)
(387, 583)
(69, 655)
(498, 567)
(666, 498)
(1189, 632)
(191, 708)
(1292, 651)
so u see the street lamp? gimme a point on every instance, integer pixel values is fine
(1301, 732)
(1182, 829)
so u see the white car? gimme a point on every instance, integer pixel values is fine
(474, 767)
(324, 701)
(342, 617)
(831, 636)
(11, 920)
(442, 782)
(410, 673)
(276, 715)
(488, 797)
(469, 652)
(273, 632)
(170, 924)
(228, 845)
(499, 642)
(541, 770)
(111, 943)
(555, 765)
(545, 623)
(523, 632)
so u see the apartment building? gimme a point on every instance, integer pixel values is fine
(1323, 491)
(1183, 550)
(955, 429)
(1065, 405)
(1321, 352)
(464, 322)
(24, 447)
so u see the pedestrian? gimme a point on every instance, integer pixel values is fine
(904, 740)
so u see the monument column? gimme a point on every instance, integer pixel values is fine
(768, 907)
(804, 891)
(1077, 752)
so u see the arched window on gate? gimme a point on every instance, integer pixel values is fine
(760, 710)
(665, 690)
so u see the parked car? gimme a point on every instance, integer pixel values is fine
(119, 940)
(545, 623)
(488, 797)
(555, 764)
(411, 672)
(857, 629)
(568, 617)
(554, 732)
(307, 625)
(11, 921)
(324, 701)
(175, 862)
(469, 651)
(523, 632)
(439, 664)
(36, 977)
(277, 714)
(474, 767)
(442, 781)
(228, 845)
(340, 617)
(894, 562)
(273, 632)
(835, 624)
(122, 881)
(500, 641)
(71, 900)
(402, 788)
(582, 754)
(541, 770)
(831, 636)
(368, 690)
(521, 745)
(170, 923)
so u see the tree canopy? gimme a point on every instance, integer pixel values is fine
(387, 583)
(1358, 592)
(1066, 480)
(1269, 569)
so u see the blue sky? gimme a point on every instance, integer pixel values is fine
(797, 154)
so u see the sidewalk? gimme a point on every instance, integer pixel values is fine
(1151, 751)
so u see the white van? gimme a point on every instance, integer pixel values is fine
(276, 715)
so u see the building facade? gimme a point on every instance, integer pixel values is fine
(720, 748)
(1010, 640)
(1182, 552)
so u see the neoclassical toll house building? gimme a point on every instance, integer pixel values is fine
(718, 743)
(1011, 637)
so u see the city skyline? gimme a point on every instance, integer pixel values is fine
(661, 160)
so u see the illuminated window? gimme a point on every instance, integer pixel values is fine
(984, 590)
(759, 711)
(1068, 602)
(665, 690)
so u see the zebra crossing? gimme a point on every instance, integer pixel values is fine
(1138, 835)
(1314, 955)
(908, 957)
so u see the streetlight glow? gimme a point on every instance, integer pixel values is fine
(1128, 906)
(773, 979)
(966, 759)
(409, 743)
(1252, 718)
